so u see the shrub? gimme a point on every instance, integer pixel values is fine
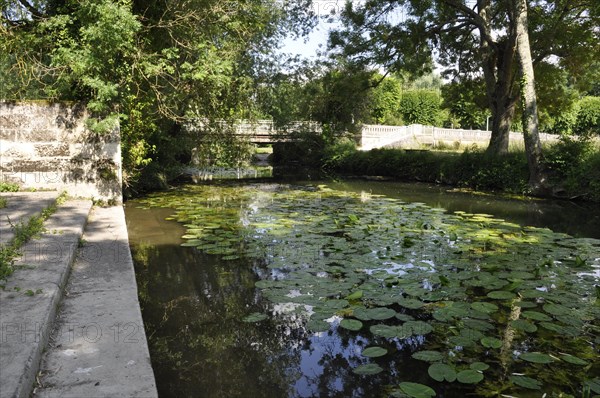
(574, 166)
(588, 117)
(421, 107)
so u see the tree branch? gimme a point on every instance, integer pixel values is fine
(474, 17)
(34, 11)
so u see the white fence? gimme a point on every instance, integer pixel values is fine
(417, 136)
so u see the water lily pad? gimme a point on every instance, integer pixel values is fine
(469, 376)
(351, 324)
(488, 308)
(573, 359)
(479, 366)
(428, 356)
(374, 352)
(230, 257)
(412, 304)
(491, 342)
(556, 309)
(380, 313)
(536, 316)
(478, 324)
(526, 326)
(501, 295)
(441, 371)
(385, 331)
(255, 317)
(526, 382)
(404, 317)
(368, 369)
(416, 390)
(418, 328)
(355, 295)
(536, 357)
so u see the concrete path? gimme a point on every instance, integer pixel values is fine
(21, 206)
(98, 347)
(32, 294)
(95, 346)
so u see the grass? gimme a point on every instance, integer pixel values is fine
(264, 150)
(3, 203)
(9, 187)
(24, 231)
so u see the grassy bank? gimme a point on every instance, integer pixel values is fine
(573, 167)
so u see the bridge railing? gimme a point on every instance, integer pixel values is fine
(416, 135)
(256, 130)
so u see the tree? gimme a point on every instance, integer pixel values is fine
(384, 106)
(467, 103)
(533, 146)
(474, 40)
(421, 107)
(155, 65)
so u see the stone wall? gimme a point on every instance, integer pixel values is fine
(48, 146)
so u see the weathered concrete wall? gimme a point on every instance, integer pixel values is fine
(48, 146)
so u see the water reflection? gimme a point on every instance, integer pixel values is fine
(194, 307)
(578, 219)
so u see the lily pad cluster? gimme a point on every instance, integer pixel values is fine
(485, 303)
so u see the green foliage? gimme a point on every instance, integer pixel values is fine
(475, 44)
(218, 146)
(421, 107)
(588, 117)
(305, 147)
(336, 153)
(9, 187)
(384, 103)
(3, 203)
(574, 167)
(467, 104)
(152, 65)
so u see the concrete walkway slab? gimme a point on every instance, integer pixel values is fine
(99, 347)
(30, 297)
(21, 206)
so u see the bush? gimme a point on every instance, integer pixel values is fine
(304, 147)
(421, 107)
(9, 187)
(574, 166)
(588, 117)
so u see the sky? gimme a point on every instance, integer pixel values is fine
(317, 41)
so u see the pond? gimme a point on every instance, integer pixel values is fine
(366, 289)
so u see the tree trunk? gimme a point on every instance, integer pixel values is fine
(503, 111)
(533, 147)
(498, 70)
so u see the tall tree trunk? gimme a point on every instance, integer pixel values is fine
(498, 70)
(533, 147)
(503, 111)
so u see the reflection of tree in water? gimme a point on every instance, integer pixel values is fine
(193, 313)
(194, 304)
(193, 308)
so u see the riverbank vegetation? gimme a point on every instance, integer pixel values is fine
(177, 75)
